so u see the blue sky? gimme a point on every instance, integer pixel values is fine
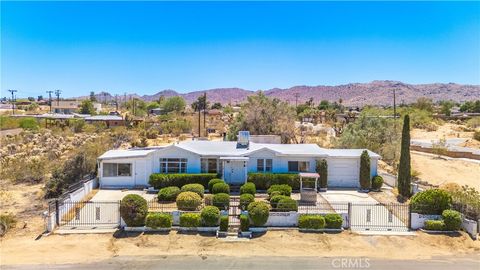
(146, 47)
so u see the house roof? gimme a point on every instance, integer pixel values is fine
(104, 118)
(129, 153)
(350, 153)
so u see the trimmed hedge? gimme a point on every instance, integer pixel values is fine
(276, 198)
(245, 200)
(197, 188)
(221, 188)
(282, 189)
(244, 223)
(188, 201)
(161, 180)
(263, 181)
(159, 220)
(224, 223)
(221, 200)
(431, 202)
(168, 194)
(333, 221)
(377, 182)
(434, 225)
(210, 216)
(248, 188)
(452, 220)
(190, 220)
(258, 213)
(213, 182)
(311, 222)
(133, 210)
(287, 205)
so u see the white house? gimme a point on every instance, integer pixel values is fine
(231, 160)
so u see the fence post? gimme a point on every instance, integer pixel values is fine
(349, 214)
(409, 217)
(57, 213)
(119, 215)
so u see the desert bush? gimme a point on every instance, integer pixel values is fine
(311, 222)
(451, 187)
(283, 189)
(245, 200)
(244, 223)
(431, 202)
(197, 188)
(263, 181)
(287, 205)
(77, 125)
(161, 180)
(7, 221)
(434, 225)
(377, 182)
(333, 221)
(276, 198)
(210, 216)
(223, 223)
(221, 188)
(248, 188)
(208, 199)
(221, 200)
(7, 122)
(258, 213)
(452, 220)
(29, 123)
(213, 182)
(188, 201)
(190, 220)
(133, 210)
(159, 220)
(467, 200)
(476, 135)
(152, 133)
(474, 122)
(168, 194)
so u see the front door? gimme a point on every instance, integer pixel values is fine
(234, 172)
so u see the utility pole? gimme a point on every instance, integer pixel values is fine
(205, 113)
(13, 100)
(394, 105)
(50, 99)
(199, 108)
(116, 102)
(296, 100)
(57, 93)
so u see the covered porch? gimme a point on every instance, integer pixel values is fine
(235, 170)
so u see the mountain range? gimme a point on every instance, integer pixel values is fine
(352, 94)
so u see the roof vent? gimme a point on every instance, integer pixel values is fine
(243, 139)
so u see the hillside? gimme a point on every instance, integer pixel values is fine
(353, 94)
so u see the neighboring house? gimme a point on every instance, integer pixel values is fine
(97, 106)
(231, 160)
(109, 120)
(65, 106)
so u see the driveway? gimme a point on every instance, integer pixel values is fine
(366, 213)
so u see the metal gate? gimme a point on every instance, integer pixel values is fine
(379, 217)
(234, 212)
(70, 214)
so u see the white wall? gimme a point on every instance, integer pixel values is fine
(143, 171)
(418, 220)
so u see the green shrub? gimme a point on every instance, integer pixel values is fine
(431, 202)
(29, 123)
(188, 201)
(263, 181)
(434, 225)
(322, 170)
(213, 182)
(452, 220)
(221, 200)
(161, 180)
(273, 194)
(276, 198)
(311, 222)
(244, 223)
(221, 188)
(159, 220)
(287, 205)
(377, 182)
(168, 194)
(333, 221)
(7, 221)
(210, 216)
(197, 188)
(258, 213)
(283, 189)
(245, 200)
(224, 223)
(133, 210)
(248, 188)
(190, 220)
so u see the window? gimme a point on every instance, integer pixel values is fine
(173, 165)
(209, 165)
(298, 166)
(264, 165)
(117, 169)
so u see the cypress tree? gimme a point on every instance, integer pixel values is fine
(404, 169)
(365, 182)
(322, 170)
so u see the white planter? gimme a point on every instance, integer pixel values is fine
(187, 229)
(222, 234)
(436, 232)
(208, 229)
(134, 229)
(258, 229)
(146, 229)
(245, 234)
(321, 230)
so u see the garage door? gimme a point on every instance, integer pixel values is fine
(343, 172)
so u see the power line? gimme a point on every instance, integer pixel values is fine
(49, 92)
(57, 93)
(12, 91)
